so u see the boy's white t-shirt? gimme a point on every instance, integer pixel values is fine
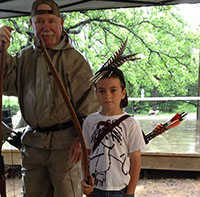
(110, 162)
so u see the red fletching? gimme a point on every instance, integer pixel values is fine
(175, 117)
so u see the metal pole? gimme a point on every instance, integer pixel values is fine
(198, 93)
(132, 107)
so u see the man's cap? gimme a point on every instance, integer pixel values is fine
(54, 8)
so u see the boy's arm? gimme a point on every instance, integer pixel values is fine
(135, 159)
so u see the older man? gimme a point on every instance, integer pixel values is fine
(51, 152)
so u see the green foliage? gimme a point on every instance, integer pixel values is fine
(11, 104)
(155, 33)
(160, 36)
(187, 107)
(20, 34)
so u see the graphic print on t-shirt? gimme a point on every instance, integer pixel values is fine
(108, 153)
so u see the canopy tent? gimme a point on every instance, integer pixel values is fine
(16, 8)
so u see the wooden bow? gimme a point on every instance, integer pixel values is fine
(2, 177)
(70, 108)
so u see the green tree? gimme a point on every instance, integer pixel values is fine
(159, 35)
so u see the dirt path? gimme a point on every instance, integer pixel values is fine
(168, 188)
(151, 184)
(156, 183)
(13, 187)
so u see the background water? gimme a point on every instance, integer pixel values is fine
(184, 138)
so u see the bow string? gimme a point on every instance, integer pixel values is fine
(2, 167)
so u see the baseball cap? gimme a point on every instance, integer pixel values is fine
(54, 8)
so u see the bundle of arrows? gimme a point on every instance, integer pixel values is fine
(161, 128)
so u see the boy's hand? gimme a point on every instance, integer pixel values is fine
(88, 188)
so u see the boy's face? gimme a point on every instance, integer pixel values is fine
(110, 94)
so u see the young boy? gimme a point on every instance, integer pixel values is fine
(114, 158)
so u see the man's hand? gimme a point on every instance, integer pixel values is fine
(88, 188)
(5, 35)
(75, 152)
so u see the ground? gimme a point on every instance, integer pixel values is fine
(168, 188)
(155, 183)
(152, 183)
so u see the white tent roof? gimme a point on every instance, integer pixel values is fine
(16, 8)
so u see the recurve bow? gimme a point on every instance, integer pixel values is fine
(70, 108)
(2, 176)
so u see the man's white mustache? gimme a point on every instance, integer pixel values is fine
(50, 33)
